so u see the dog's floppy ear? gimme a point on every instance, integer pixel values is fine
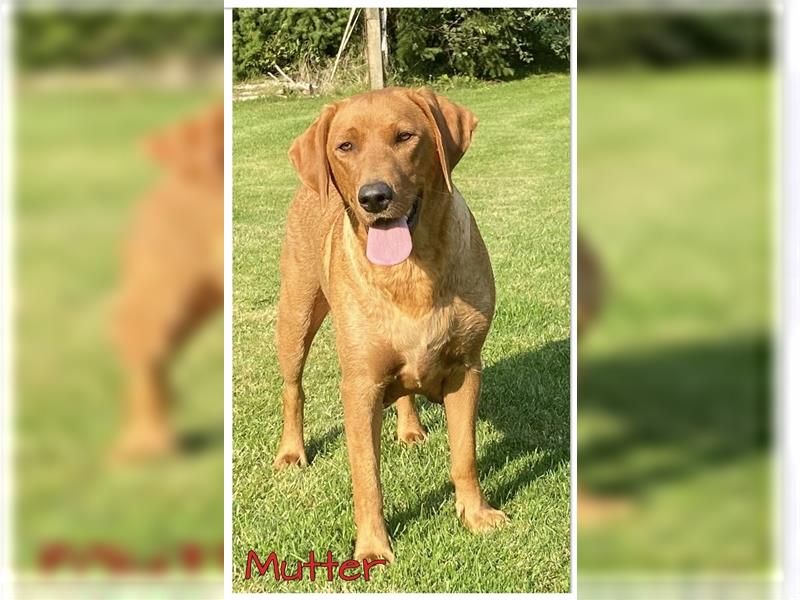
(192, 148)
(453, 127)
(309, 156)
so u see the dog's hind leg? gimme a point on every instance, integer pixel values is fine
(410, 429)
(302, 308)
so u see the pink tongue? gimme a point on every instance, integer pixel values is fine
(389, 244)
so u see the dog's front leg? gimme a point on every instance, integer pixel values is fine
(147, 432)
(363, 415)
(462, 392)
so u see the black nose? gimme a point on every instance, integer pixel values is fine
(375, 197)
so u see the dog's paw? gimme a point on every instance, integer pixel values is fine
(143, 443)
(482, 519)
(412, 435)
(290, 458)
(374, 549)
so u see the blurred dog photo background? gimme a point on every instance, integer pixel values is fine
(111, 112)
(675, 151)
(677, 202)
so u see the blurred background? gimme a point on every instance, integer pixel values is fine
(91, 86)
(676, 212)
(677, 204)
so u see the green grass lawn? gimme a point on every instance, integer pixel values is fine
(80, 171)
(515, 178)
(674, 401)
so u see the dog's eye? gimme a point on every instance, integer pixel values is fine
(345, 146)
(404, 136)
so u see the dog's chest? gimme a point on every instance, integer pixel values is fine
(430, 348)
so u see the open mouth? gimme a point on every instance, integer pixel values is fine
(389, 240)
(413, 214)
(411, 218)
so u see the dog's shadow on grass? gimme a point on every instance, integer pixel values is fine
(197, 441)
(526, 397)
(321, 444)
(678, 411)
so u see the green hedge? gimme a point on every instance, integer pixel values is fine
(85, 38)
(673, 38)
(289, 37)
(486, 43)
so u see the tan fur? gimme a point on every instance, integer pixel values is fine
(172, 275)
(414, 328)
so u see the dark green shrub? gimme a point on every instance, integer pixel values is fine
(486, 43)
(77, 38)
(673, 38)
(263, 37)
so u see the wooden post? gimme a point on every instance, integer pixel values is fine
(384, 41)
(374, 58)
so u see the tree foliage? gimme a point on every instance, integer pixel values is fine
(78, 38)
(486, 43)
(289, 37)
(673, 38)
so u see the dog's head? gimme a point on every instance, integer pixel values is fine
(193, 148)
(388, 153)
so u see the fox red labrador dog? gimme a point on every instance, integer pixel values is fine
(172, 276)
(378, 235)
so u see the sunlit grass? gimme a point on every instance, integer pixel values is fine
(674, 398)
(516, 180)
(80, 172)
